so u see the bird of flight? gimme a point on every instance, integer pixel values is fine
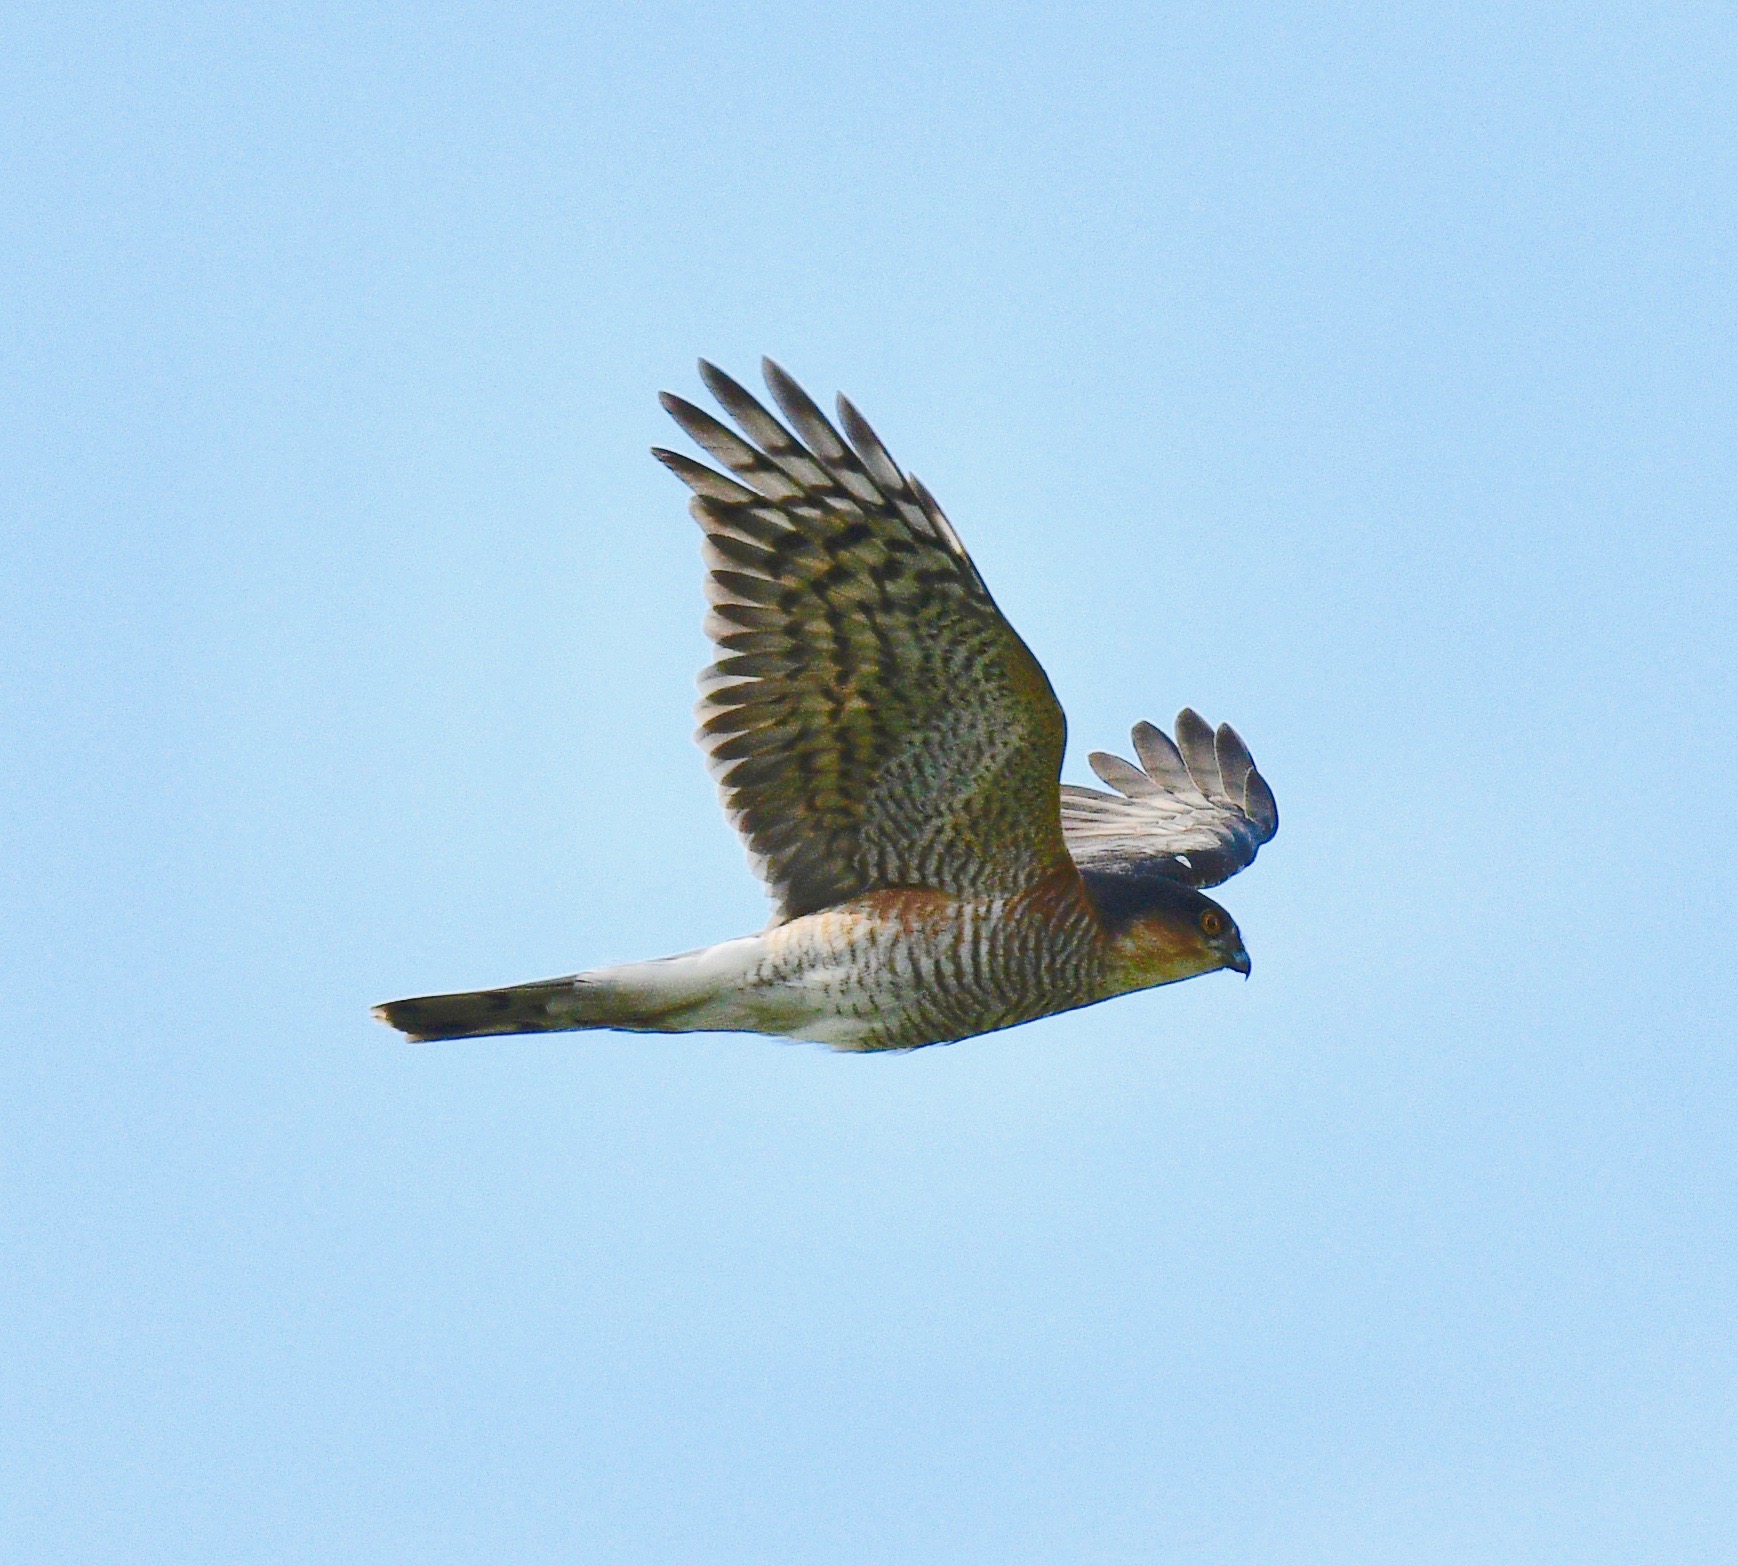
(890, 752)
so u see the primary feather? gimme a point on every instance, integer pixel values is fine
(1196, 810)
(872, 720)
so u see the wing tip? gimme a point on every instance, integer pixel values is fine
(721, 384)
(1203, 769)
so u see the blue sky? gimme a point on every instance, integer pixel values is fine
(1361, 375)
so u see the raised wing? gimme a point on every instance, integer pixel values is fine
(1195, 810)
(872, 720)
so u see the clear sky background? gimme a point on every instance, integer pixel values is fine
(1360, 374)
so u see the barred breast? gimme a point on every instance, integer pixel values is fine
(901, 969)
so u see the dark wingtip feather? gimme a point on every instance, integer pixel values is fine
(1158, 753)
(856, 426)
(878, 461)
(721, 385)
(804, 414)
(1195, 741)
(1260, 806)
(1126, 778)
(704, 480)
(694, 421)
(1235, 762)
(792, 400)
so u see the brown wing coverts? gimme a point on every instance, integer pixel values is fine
(1195, 810)
(872, 720)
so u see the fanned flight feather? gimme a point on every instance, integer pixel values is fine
(1196, 810)
(872, 720)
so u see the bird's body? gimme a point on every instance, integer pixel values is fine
(889, 749)
(902, 968)
(893, 970)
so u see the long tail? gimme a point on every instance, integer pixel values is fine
(695, 991)
(548, 1006)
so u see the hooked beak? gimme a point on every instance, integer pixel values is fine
(1240, 963)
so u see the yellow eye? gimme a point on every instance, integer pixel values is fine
(1212, 922)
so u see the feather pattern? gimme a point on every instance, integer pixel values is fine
(872, 720)
(889, 751)
(1195, 810)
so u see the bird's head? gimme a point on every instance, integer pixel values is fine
(1162, 931)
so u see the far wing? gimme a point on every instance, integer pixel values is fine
(1195, 810)
(872, 720)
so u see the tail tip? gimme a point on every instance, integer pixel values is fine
(392, 1013)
